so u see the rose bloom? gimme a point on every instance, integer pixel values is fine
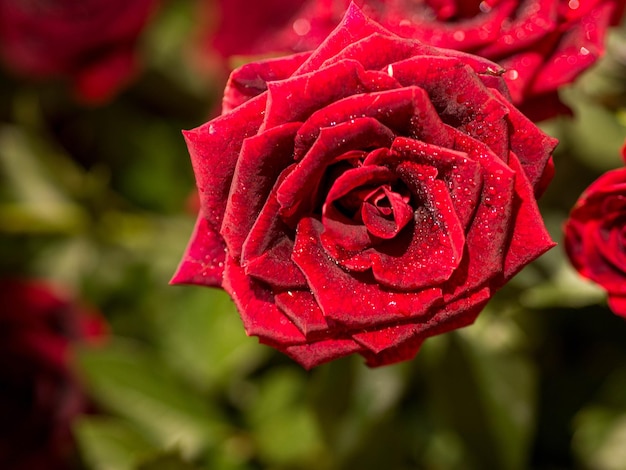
(91, 42)
(543, 44)
(595, 236)
(39, 395)
(365, 196)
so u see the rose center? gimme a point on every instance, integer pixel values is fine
(384, 210)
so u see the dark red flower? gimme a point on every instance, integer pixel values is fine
(39, 395)
(542, 44)
(91, 42)
(595, 236)
(365, 196)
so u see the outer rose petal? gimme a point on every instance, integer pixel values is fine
(203, 261)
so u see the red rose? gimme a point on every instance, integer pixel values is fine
(595, 236)
(543, 44)
(91, 42)
(39, 396)
(365, 196)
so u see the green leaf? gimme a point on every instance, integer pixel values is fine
(135, 384)
(167, 461)
(283, 425)
(33, 202)
(108, 443)
(483, 386)
(202, 336)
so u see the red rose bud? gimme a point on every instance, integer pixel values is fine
(542, 44)
(39, 394)
(365, 196)
(91, 42)
(595, 236)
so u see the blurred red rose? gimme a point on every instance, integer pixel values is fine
(91, 42)
(543, 44)
(39, 395)
(595, 236)
(365, 196)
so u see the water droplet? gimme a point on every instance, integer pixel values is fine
(484, 7)
(301, 26)
(459, 35)
(512, 74)
(573, 4)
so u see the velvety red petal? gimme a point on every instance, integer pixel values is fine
(354, 26)
(529, 237)
(578, 49)
(261, 159)
(489, 232)
(617, 303)
(460, 98)
(266, 253)
(532, 21)
(314, 354)
(387, 226)
(339, 229)
(378, 340)
(368, 303)
(296, 98)
(468, 34)
(521, 69)
(203, 261)
(389, 49)
(462, 175)
(532, 146)
(259, 313)
(298, 191)
(302, 309)
(433, 248)
(396, 109)
(214, 157)
(403, 352)
(251, 79)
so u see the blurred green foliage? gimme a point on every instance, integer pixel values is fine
(97, 198)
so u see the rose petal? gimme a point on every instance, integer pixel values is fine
(260, 315)
(302, 309)
(251, 79)
(261, 159)
(296, 98)
(266, 252)
(529, 239)
(203, 261)
(368, 303)
(314, 354)
(298, 191)
(462, 175)
(214, 158)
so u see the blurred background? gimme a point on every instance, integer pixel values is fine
(99, 198)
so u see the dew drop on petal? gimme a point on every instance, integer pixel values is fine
(512, 74)
(584, 51)
(301, 26)
(459, 35)
(573, 4)
(484, 7)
